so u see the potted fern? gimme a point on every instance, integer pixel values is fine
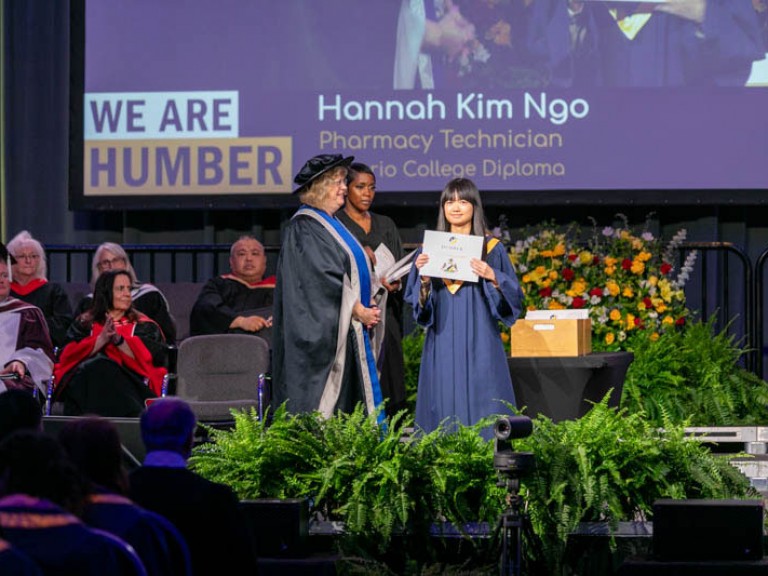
(392, 492)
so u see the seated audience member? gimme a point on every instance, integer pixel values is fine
(19, 410)
(41, 496)
(115, 356)
(15, 563)
(93, 444)
(146, 297)
(206, 513)
(29, 283)
(26, 352)
(240, 301)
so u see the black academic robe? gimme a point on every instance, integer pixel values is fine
(206, 513)
(148, 299)
(322, 359)
(223, 299)
(54, 303)
(390, 362)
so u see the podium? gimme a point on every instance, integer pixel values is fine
(564, 388)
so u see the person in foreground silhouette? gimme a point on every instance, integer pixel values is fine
(206, 513)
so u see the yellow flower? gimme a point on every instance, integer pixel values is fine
(555, 305)
(579, 286)
(526, 278)
(644, 256)
(665, 290)
(628, 292)
(553, 275)
(559, 249)
(615, 315)
(668, 320)
(613, 288)
(505, 337)
(609, 338)
(610, 261)
(547, 253)
(654, 336)
(637, 267)
(637, 244)
(609, 270)
(629, 322)
(653, 280)
(585, 257)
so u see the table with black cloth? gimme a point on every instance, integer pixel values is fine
(564, 388)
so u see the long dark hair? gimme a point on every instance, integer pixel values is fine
(102, 298)
(93, 444)
(463, 189)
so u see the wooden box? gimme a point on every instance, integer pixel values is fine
(555, 337)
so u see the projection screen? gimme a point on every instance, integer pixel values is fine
(210, 103)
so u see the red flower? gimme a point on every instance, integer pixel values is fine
(595, 260)
(545, 292)
(568, 274)
(665, 268)
(626, 264)
(638, 321)
(680, 322)
(596, 292)
(572, 257)
(647, 302)
(578, 302)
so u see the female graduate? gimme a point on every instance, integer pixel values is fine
(464, 373)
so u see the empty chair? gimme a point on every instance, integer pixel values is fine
(220, 372)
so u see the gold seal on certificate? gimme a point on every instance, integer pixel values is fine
(449, 255)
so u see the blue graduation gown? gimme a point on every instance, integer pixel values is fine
(464, 371)
(667, 51)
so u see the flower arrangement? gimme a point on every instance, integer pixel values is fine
(627, 280)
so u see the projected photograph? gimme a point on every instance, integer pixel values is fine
(227, 98)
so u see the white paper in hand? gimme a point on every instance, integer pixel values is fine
(449, 255)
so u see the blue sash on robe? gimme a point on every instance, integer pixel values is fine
(365, 297)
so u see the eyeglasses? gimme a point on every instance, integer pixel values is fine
(27, 256)
(108, 263)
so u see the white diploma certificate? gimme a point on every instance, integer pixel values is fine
(449, 255)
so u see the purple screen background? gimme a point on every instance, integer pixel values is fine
(280, 55)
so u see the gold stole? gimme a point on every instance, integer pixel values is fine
(454, 285)
(630, 23)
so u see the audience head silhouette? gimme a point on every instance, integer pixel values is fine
(168, 424)
(93, 444)
(35, 464)
(19, 411)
